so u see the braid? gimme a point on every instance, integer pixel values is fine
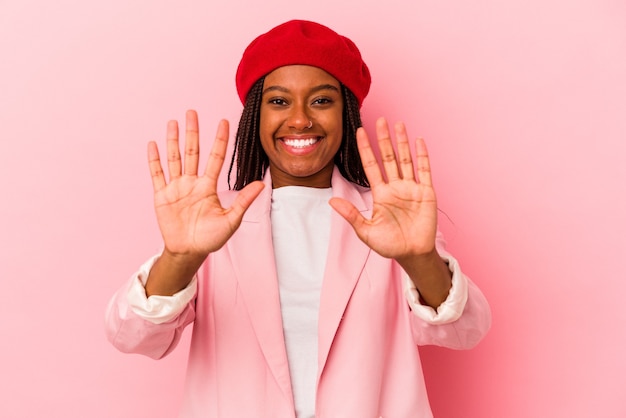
(249, 156)
(348, 159)
(251, 160)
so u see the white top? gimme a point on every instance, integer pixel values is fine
(300, 232)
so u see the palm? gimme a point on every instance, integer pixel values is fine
(403, 220)
(190, 217)
(404, 217)
(188, 210)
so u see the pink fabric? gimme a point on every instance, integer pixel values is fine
(368, 364)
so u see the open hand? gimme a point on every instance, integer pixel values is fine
(191, 219)
(404, 217)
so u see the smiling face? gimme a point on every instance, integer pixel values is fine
(301, 125)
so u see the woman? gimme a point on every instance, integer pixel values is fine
(311, 284)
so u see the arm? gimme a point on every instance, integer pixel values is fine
(149, 326)
(192, 221)
(403, 225)
(430, 275)
(449, 309)
(193, 224)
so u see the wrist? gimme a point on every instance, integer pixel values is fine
(420, 258)
(172, 272)
(182, 260)
(430, 275)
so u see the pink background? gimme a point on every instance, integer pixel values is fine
(522, 103)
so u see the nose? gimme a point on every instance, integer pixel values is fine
(299, 118)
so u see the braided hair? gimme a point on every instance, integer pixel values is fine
(252, 161)
(347, 158)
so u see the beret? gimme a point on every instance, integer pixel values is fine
(301, 42)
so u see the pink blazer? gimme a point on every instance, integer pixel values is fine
(368, 361)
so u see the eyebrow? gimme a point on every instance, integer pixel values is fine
(313, 90)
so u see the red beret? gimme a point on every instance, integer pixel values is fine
(305, 43)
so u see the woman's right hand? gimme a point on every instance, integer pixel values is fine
(192, 221)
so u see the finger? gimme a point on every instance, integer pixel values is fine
(173, 152)
(244, 199)
(192, 143)
(404, 152)
(154, 164)
(218, 152)
(423, 162)
(349, 212)
(387, 153)
(368, 159)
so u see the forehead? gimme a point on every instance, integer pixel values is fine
(299, 76)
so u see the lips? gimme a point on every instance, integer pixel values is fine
(300, 144)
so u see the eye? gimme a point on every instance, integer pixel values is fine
(322, 101)
(278, 101)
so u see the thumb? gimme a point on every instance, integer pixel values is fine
(348, 211)
(245, 198)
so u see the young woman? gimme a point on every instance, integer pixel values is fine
(311, 284)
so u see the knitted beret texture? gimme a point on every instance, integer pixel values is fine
(301, 42)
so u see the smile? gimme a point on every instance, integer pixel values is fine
(300, 143)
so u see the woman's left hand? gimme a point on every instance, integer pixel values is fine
(404, 218)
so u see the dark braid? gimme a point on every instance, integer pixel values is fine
(251, 160)
(347, 158)
(249, 154)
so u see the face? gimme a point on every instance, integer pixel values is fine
(301, 125)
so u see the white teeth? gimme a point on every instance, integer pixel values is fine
(300, 143)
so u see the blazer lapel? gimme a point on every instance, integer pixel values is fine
(253, 260)
(346, 257)
(252, 254)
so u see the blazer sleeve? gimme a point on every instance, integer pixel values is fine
(150, 326)
(461, 321)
